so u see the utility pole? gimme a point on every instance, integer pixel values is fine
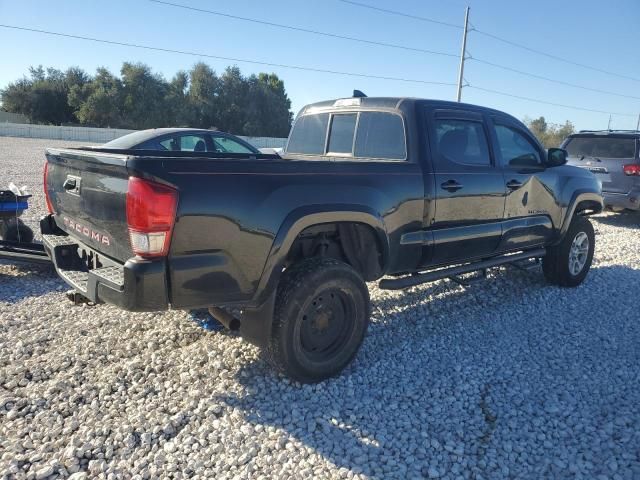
(609, 124)
(463, 54)
(638, 124)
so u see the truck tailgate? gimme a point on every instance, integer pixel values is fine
(87, 191)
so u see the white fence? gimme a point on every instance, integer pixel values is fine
(266, 142)
(52, 132)
(99, 135)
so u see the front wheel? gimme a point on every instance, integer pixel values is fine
(568, 263)
(321, 316)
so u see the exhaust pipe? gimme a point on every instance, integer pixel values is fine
(225, 318)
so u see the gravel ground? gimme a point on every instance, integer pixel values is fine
(508, 378)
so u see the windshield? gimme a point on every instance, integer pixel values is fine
(601, 147)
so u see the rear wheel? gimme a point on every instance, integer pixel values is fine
(320, 319)
(568, 263)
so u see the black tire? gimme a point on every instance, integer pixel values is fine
(15, 231)
(556, 263)
(321, 316)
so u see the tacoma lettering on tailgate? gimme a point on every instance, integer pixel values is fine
(86, 231)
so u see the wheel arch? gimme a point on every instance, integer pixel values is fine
(314, 215)
(583, 202)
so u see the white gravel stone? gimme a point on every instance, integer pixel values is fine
(509, 378)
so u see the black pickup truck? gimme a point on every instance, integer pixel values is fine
(398, 189)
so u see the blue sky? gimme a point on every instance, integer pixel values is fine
(600, 34)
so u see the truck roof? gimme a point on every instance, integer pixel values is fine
(394, 103)
(617, 133)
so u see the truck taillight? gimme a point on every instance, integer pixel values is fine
(46, 189)
(631, 170)
(151, 214)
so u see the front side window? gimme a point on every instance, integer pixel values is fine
(601, 147)
(309, 134)
(516, 149)
(462, 141)
(228, 145)
(343, 128)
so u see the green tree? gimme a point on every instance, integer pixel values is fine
(143, 98)
(43, 95)
(203, 97)
(234, 99)
(550, 135)
(177, 100)
(139, 98)
(97, 103)
(269, 105)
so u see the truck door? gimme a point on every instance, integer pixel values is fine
(529, 185)
(470, 187)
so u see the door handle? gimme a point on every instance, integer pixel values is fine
(514, 185)
(451, 185)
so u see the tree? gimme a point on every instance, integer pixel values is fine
(143, 98)
(177, 101)
(268, 107)
(550, 135)
(43, 95)
(139, 99)
(202, 104)
(97, 103)
(233, 110)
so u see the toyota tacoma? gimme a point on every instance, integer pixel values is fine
(397, 190)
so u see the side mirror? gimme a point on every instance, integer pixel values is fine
(556, 157)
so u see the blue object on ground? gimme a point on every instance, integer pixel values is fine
(13, 206)
(205, 320)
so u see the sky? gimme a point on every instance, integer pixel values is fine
(603, 35)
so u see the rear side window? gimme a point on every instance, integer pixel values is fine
(309, 135)
(601, 147)
(341, 135)
(380, 135)
(179, 143)
(462, 141)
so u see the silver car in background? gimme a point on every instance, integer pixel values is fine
(613, 156)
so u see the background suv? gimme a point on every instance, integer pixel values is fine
(612, 155)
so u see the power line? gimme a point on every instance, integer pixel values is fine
(560, 82)
(402, 14)
(549, 103)
(554, 57)
(306, 30)
(231, 59)
(495, 37)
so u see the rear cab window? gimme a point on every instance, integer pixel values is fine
(343, 127)
(355, 136)
(601, 147)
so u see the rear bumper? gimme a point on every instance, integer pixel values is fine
(629, 200)
(138, 285)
